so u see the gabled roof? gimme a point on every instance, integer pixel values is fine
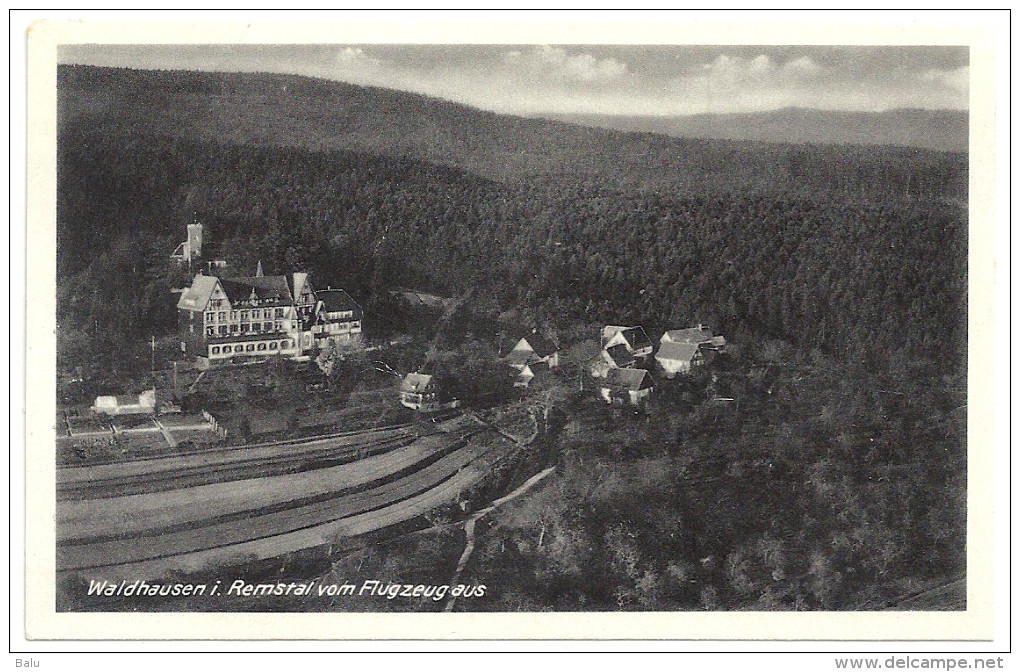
(620, 355)
(521, 358)
(683, 351)
(415, 382)
(538, 344)
(196, 297)
(631, 380)
(699, 334)
(636, 337)
(299, 284)
(337, 300)
(265, 288)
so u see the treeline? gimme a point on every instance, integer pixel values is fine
(872, 280)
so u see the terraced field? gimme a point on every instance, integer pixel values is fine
(137, 527)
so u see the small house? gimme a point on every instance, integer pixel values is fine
(420, 392)
(678, 357)
(626, 386)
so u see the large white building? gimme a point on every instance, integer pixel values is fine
(264, 316)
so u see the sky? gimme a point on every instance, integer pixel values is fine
(597, 79)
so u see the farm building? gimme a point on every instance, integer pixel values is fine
(531, 351)
(700, 335)
(627, 386)
(537, 348)
(674, 357)
(622, 348)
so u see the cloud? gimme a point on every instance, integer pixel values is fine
(558, 64)
(354, 62)
(956, 79)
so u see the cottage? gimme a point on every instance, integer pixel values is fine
(143, 404)
(627, 386)
(420, 392)
(674, 357)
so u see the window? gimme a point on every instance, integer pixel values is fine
(233, 328)
(209, 317)
(210, 331)
(238, 348)
(279, 312)
(233, 314)
(262, 346)
(267, 313)
(245, 328)
(277, 326)
(286, 345)
(244, 314)
(222, 330)
(268, 326)
(221, 316)
(256, 327)
(272, 345)
(250, 347)
(215, 350)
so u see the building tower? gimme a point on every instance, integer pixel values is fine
(193, 246)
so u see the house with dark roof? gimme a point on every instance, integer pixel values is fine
(627, 387)
(263, 316)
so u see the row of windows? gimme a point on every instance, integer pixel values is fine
(221, 316)
(250, 347)
(246, 328)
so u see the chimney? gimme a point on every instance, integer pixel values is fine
(258, 270)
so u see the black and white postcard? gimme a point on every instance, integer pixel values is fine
(646, 330)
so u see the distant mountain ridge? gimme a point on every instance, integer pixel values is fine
(942, 130)
(291, 111)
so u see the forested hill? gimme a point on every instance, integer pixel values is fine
(300, 112)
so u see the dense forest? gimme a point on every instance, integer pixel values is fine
(871, 281)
